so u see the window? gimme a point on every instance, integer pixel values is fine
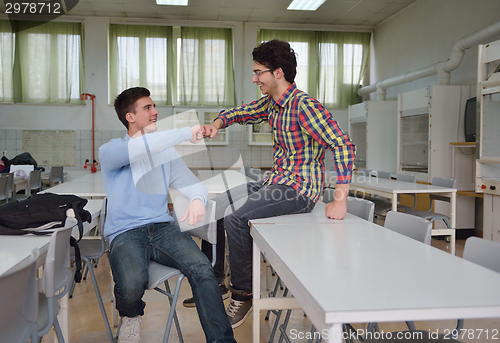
(141, 56)
(202, 74)
(41, 63)
(206, 74)
(341, 56)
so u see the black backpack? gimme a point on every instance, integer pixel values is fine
(38, 214)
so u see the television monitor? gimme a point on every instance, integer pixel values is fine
(470, 120)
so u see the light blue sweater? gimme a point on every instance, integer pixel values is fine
(137, 173)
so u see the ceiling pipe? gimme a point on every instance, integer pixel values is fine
(442, 68)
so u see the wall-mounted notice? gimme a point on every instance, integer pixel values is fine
(55, 147)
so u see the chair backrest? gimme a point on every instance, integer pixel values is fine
(406, 178)
(361, 208)
(483, 252)
(206, 229)
(4, 194)
(19, 302)
(382, 174)
(10, 183)
(34, 180)
(409, 225)
(102, 216)
(442, 182)
(56, 272)
(56, 174)
(26, 168)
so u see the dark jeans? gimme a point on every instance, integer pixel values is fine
(253, 201)
(166, 244)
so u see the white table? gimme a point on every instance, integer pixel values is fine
(219, 183)
(392, 188)
(16, 249)
(354, 271)
(87, 186)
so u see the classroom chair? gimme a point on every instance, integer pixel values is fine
(34, 184)
(18, 302)
(92, 248)
(56, 276)
(4, 195)
(56, 174)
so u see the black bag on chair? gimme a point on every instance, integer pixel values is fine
(38, 214)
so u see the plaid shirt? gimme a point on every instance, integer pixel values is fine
(302, 131)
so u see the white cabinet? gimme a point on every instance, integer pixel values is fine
(488, 162)
(373, 128)
(429, 119)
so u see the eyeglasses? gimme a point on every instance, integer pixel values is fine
(257, 73)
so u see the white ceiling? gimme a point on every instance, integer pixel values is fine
(332, 12)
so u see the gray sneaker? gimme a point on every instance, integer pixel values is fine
(189, 302)
(238, 311)
(130, 330)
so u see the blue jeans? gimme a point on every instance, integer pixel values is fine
(262, 201)
(165, 243)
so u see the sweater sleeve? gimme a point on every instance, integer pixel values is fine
(119, 153)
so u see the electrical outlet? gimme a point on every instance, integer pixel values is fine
(3, 153)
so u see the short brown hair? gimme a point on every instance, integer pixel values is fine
(125, 102)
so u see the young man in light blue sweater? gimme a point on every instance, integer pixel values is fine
(137, 172)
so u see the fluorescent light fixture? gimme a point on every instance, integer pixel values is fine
(305, 5)
(172, 2)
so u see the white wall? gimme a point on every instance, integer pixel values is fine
(424, 34)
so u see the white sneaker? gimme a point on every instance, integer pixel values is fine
(130, 330)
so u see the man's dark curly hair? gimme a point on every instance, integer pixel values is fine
(276, 54)
(125, 102)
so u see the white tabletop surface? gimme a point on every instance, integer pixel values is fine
(219, 183)
(15, 249)
(89, 185)
(354, 271)
(394, 186)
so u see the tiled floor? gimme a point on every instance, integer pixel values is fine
(87, 325)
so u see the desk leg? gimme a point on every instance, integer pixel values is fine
(335, 334)
(453, 218)
(256, 293)
(63, 318)
(394, 202)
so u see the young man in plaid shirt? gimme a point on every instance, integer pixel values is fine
(302, 130)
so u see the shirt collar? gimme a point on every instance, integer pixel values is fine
(287, 95)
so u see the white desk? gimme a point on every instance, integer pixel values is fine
(391, 188)
(87, 186)
(354, 271)
(219, 183)
(16, 249)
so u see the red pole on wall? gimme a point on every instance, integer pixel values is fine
(93, 169)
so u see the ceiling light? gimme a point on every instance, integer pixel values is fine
(172, 2)
(305, 5)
